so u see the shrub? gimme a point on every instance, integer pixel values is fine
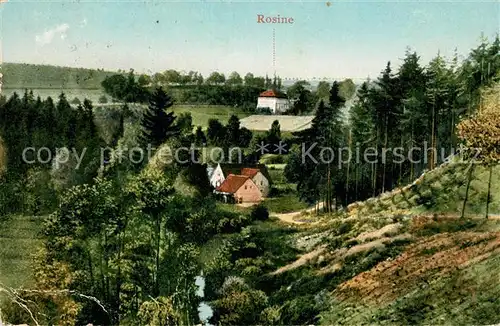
(76, 101)
(103, 99)
(259, 213)
(271, 316)
(159, 311)
(344, 228)
(239, 304)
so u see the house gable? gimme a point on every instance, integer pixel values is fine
(248, 192)
(217, 177)
(262, 183)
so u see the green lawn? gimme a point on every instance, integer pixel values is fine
(284, 204)
(19, 240)
(202, 113)
(284, 198)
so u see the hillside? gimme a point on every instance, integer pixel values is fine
(403, 258)
(21, 75)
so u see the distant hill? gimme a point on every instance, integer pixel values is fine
(22, 75)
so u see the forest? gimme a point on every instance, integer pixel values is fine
(122, 242)
(417, 106)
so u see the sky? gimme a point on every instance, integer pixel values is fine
(335, 39)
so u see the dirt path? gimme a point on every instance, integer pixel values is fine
(290, 217)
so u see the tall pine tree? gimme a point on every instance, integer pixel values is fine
(157, 123)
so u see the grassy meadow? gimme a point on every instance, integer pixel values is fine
(19, 240)
(202, 113)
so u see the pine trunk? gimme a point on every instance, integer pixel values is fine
(469, 179)
(356, 178)
(374, 179)
(433, 132)
(348, 171)
(488, 200)
(329, 192)
(158, 238)
(384, 158)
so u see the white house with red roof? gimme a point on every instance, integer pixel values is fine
(275, 100)
(257, 173)
(258, 178)
(239, 189)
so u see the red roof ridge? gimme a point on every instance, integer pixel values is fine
(272, 93)
(250, 172)
(232, 183)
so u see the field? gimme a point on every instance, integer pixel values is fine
(18, 242)
(283, 197)
(202, 113)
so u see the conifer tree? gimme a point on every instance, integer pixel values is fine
(157, 123)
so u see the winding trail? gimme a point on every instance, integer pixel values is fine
(290, 217)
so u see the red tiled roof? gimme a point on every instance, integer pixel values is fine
(250, 172)
(232, 183)
(272, 93)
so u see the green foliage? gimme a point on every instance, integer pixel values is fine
(316, 178)
(157, 124)
(347, 89)
(36, 124)
(238, 303)
(103, 99)
(259, 213)
(125, 88)
(126, 247)
(228, 136)
(414, 107)
(303, 100)
(158, 312)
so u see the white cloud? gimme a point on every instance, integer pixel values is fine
(83, 23)
(48, 36)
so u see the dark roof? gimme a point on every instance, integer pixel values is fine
(273, 93)
(232, 183)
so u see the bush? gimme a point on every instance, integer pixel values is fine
(76, 101)
(271, 316)
(159, 311)
(238, 304)
(103, 99)
(259, 213)
(272, 159)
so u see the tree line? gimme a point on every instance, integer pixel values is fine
(216, 89)
(414, 107)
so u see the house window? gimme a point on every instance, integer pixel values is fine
(245, 187)
(261, 182)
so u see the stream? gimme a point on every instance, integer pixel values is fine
(204, 310)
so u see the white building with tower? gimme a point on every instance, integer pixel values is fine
(275, 100)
